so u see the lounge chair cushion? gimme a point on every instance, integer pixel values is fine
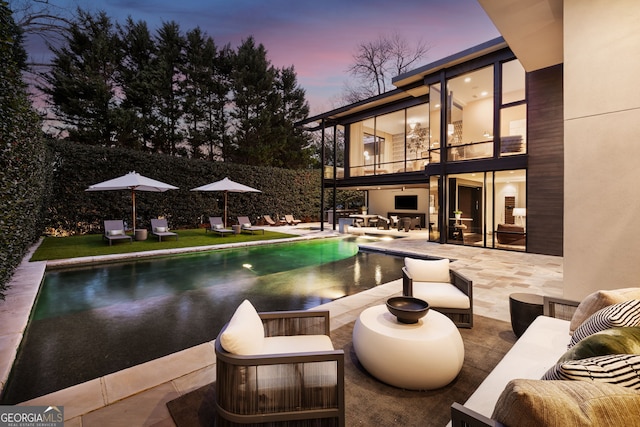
(422, 270)
(441, 295)
(296, 344)
(116, 232)
(161, 229)
(218, 226)
(244, 334)
(599, 300)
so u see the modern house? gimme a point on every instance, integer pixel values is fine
(533, 136)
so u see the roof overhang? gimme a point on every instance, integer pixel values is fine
(532, 28)
(409, 79)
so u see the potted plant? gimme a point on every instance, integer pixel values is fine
(457, 214)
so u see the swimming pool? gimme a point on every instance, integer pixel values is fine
(92, 321)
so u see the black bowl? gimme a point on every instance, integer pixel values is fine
(407, 309)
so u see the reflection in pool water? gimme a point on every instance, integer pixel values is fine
(92, 321)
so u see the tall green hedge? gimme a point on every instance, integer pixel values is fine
(22, 155)
(73, 210)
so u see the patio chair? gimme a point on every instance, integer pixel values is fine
(160, 228)
(278, 368)
(446, 290)
(217, 226)
(245, 225)
(271, 222)
(291, 221)
(382, 222)
(114, 230)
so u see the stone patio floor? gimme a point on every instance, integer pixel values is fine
(137, 396)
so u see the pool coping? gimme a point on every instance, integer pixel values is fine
(24, 286)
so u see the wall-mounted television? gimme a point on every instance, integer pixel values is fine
(406, 203)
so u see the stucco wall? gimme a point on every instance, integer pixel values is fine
(602, 145)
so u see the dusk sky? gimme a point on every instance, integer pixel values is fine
(319, 38)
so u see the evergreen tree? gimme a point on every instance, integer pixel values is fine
(200, 53)
(216, 93)
(296, 144)
(169, 97)
(137, 120)
(255, 100)
(81, 83)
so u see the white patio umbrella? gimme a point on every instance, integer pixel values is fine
(226, 186)
(135, 182)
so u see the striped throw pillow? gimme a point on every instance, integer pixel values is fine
(620, 369)
(617, 315)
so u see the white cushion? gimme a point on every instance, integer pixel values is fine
(218, 226)
(296, 344)
(161, 229)
(443, 295)
(244, 334)
(116, 232)
(428, 270)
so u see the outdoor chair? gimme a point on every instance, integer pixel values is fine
(291, 221)
(160, 228)
(114, 230)
(245, 225)
(382, 222)
(271, 222)
(446, 290)
(278, 368)
(217, 226)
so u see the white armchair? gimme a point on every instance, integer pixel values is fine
(446, 290)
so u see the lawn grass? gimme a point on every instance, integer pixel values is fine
(94, 244)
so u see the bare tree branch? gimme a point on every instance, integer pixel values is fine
(376, 63)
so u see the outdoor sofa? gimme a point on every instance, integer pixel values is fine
(278, 367)
(582, 385)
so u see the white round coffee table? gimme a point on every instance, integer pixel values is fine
(420, 356)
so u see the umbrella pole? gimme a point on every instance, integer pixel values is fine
(133, 200)
(225, 209)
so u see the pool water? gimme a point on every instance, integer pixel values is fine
(92, 321)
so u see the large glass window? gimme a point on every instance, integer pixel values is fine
(434, 120)
(513, 112)
(487, 209)
(329, 159)
(416, 149)
(390, 143)
(470, 104)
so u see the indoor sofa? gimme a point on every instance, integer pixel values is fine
(511, 234)
(547, 377)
